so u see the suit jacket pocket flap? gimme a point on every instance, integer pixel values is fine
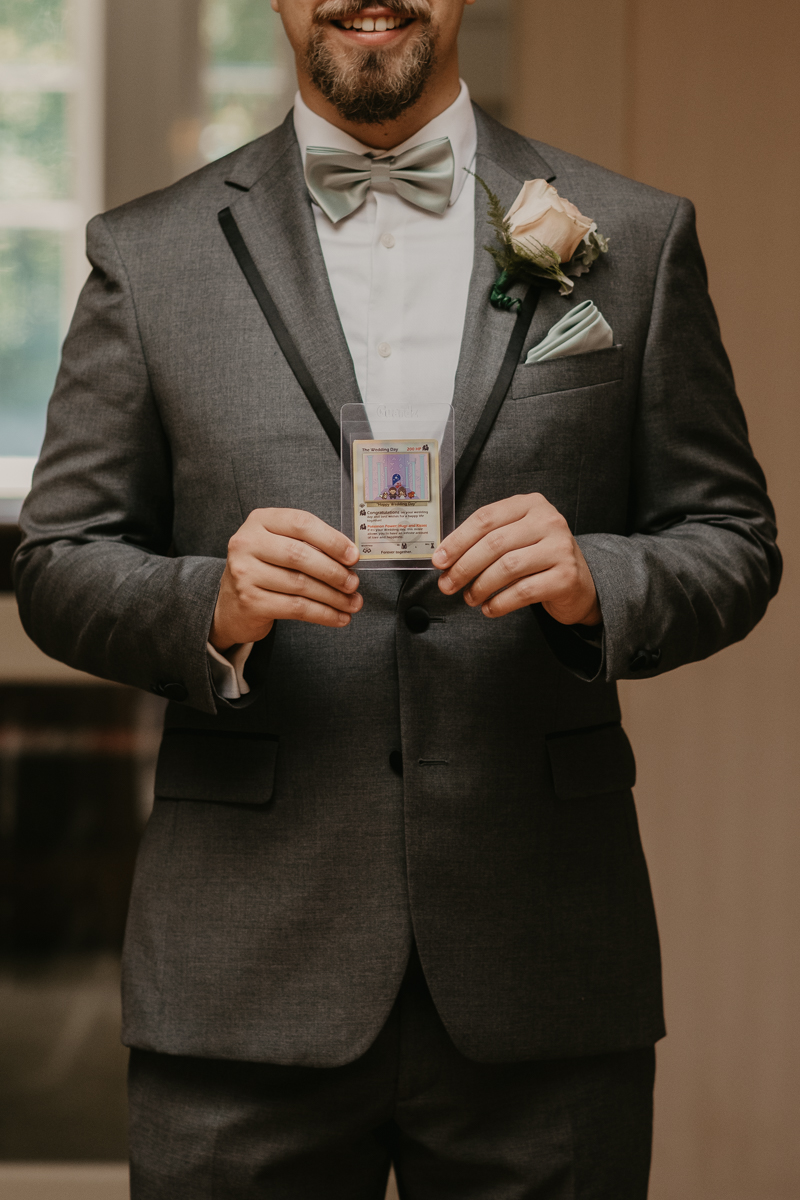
(568, 373)
(222, 766)
(589, 762)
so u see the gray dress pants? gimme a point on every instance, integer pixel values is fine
(570, 1129)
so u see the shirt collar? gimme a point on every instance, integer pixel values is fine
(456, 123)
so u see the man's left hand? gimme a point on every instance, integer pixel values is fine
(518, 552)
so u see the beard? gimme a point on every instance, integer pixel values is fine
(371, 87)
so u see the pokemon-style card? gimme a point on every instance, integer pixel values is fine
(397, 499)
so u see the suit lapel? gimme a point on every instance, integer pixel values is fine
(275, 219)
(504, 161)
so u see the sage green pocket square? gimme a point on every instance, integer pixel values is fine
(582, 329)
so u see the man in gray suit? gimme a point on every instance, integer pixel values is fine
(391, 905)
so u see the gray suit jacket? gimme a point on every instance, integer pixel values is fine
(287, 866)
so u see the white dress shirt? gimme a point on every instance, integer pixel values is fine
(400, 279)
(399, 274)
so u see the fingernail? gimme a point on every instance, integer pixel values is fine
(439, 558)
(344, 618)
(487, 612)
(356, 602)
(446, 584)
(352, 581)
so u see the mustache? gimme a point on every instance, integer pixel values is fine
(342, 10)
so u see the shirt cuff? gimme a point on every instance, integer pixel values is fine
(227, 670)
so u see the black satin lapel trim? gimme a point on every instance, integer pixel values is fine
(504, 161)
(498, 394)
(277, 225)
(487, 330)
(279, 330)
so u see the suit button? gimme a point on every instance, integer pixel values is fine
(396, 762)
(171, 691)
(417, 619)
(645, 660)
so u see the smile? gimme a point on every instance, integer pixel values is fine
(373, 24)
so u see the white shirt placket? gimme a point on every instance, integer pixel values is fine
(386, 303)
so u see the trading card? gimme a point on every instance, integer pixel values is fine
(397, 499)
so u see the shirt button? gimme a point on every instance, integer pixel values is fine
(388, 241)
(384, 349)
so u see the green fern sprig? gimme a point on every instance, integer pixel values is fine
(497, 217)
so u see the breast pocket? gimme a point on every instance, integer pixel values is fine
(565, 431)
(571, 373)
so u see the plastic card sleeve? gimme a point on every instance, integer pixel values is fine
(398, 483)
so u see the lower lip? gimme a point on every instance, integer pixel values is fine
(360, 38)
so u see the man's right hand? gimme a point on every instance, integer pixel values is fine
(284, 564)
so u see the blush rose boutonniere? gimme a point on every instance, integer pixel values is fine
(541, 237)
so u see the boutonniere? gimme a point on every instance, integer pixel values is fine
(541, 237)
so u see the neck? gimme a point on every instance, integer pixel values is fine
(438, 96)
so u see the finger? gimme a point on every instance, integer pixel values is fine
(483, 521)
(517, 564)
(302, 557)
(493, 547)
(305, 527)
(534, 589)
(300, 608)
(272, 579)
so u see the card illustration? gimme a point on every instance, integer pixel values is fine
(401, 476)
(396, 497)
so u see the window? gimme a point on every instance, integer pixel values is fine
(50, 185)
(249, 82)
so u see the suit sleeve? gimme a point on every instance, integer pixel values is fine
(700, 563)
(97, 585)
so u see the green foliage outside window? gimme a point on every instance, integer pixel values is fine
(247, 96)
(30, 301)
(34, 160)
(33, 31)
(239, 31)
(35, 165)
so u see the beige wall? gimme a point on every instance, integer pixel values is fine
(701, 97)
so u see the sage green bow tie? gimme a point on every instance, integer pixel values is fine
(339, 180)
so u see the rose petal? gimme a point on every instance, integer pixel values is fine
(532, 190)
(539, 212)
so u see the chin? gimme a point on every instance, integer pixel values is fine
(371, 85)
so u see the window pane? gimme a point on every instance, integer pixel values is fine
(33, 31)
(239, 31)
(34, 151)
(247, 84)
(30, 295)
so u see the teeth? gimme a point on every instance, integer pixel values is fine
(374, 25)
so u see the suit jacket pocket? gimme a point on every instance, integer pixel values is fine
(223, 766)
(590, 762)
(569, 373)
